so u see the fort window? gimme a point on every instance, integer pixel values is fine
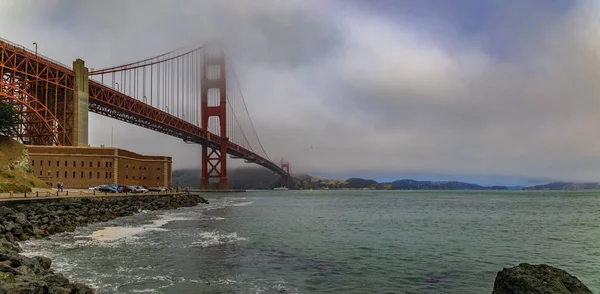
(74, 164)
(106, 175)
(106, 164)
(57, 174)
(40, 173)
(98, 175)
(158, 168)
(90, 175)
(158, 178)
(82, 175)
(82, 165)
(144, 178)
(73, 175)
(65, 174)
(127, 177)
(57, 163)
(41, 163)
(90, 165)
(49, 163)
(32, 162)
(109, 175)
(134, 177)
(65, 163)
(127, 166)
(98, 163)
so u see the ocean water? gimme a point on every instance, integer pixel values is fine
(334, 242)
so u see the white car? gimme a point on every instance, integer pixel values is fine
(141, 189)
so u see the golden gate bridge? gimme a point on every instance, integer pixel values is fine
(191, 93)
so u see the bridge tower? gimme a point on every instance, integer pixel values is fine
(81, 98)
(286, 180)
(214, 158)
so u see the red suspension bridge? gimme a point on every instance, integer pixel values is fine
(189, 93)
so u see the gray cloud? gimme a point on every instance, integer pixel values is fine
(335, 89)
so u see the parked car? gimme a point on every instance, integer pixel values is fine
(108, 188)
(157, 189)
(141, 189)
(125, 189)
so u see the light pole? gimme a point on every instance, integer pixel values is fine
(35, 44)
(144, 99)
(117, 86)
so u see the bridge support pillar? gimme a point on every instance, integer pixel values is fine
(81, 96)
(286, 180)
(214, 157)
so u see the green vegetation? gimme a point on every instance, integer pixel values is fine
(15, 172)
(9, 120)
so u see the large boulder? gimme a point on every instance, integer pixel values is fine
(537, 279)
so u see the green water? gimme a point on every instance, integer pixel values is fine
(336, 242)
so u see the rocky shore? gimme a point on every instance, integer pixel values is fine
(21, 274)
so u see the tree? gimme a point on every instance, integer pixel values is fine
(9, 120)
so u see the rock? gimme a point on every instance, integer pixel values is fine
(9, 237)
(6, 278)
(5, 211)
(44, 262)
(24, 237)
(45, 220)
(57, 284)
(58, 290)
(8, 269)
(39, 233)
(21, 219)
(9, 226)
(25, 270)
(57, 279)
(13, 257)
(18, 230)
(80, 289)
(6, 245)
(537, 279)
(31, 287)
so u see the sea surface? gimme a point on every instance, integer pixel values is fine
(334, 242)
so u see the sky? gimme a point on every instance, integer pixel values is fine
(500, 89)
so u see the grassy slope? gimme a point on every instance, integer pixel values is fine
(14, 168)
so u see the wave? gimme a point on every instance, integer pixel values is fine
(241, 203)
(214, 238)
(108, 234)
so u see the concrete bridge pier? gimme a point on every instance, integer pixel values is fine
(81, 98)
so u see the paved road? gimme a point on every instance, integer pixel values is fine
(72, 193)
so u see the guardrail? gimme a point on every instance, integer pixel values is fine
(80, 194)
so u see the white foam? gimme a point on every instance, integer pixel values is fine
(213, 218)
(121, 232)
(242, 203)
(116, 233)
(208, 239)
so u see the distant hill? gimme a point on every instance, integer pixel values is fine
(261, 178)
(429, 185)
(565, 186)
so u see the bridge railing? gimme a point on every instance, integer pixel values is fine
(21, 47)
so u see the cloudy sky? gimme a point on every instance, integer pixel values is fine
(369, 88)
